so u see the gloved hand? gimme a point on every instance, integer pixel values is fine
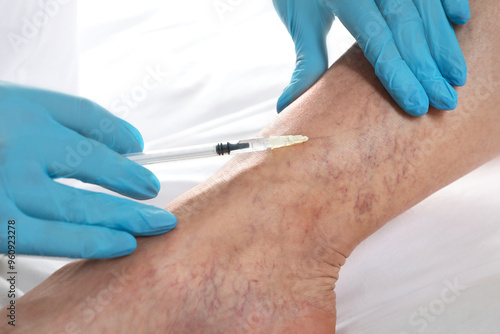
(411, 44)
(46, 135)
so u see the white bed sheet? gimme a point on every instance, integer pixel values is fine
(220, 77)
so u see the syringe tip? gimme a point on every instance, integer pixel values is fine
(282, 141)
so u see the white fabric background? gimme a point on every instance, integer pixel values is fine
(222, 75)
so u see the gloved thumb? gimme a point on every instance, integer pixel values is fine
(308, 22)
(311, 63)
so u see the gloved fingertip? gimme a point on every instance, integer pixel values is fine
(443, 96)
(159, 221)
(296, 88)
(116, 244)
(457, 76)
(283, 102)
(307, 71)
(138, 137)
(461, 17)
(416, 112)
(416, 105)
(450, 100)
(131, 179)
(165, 219)
(155, 182)
(461, 20)
(150, 186)
(126, 246)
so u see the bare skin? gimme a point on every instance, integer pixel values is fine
(258, 247)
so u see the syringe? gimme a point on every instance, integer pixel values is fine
(204, 151)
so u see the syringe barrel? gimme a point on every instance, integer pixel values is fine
(175, 154)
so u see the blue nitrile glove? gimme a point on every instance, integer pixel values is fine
(46, 135)
(411, 44)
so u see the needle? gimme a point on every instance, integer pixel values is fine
(320, 137)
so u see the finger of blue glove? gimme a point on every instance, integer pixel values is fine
(53, 201)
(458, 11)
(87, 118)
(92, 162)
(308, 22)
(408, 32)
(311, 63)
(48, 238)
(375, 39)
(442, 41)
